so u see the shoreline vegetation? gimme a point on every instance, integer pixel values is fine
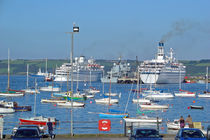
(18, 66)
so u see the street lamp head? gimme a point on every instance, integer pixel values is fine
(75, 29)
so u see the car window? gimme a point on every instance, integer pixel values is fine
(192, 134)
(147, 133)
(27, 133)
(28, 126)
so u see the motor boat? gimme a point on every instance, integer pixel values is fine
(175, 125)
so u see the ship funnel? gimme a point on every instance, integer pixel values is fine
(160, 54)
(161, 44)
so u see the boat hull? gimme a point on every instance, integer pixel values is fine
(154, 106)
(143, 120)
(37, 120)
(204, 95)
(83, 76)
(110, 115)
(164, 77)
(22, 108)
(106, 101)
(11, 94)
(6, 110)
(69, 104)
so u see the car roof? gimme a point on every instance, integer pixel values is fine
(145, 129)
(190, 129)
(28, 128)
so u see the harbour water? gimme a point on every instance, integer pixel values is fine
(177, 106)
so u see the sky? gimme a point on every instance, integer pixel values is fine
(36, 29)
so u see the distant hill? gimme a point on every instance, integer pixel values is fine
(18, 66)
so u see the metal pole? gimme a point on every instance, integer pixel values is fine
(8, 84)
(27, 76)
(207, 78)
(157, 124)
(72, 47)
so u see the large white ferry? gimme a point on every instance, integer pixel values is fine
(83, 70)
(163, 69)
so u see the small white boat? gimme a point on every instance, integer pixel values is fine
(141, 101)
(29, 90)
(143, 119)
(88, 95)
(61, 78)
(153, 106)
(11, 94)
(184, 93)
(92, 90)
(175, 125)
(158, 96)
(111, 94)
(106, 101)
(50, 88)
(71, 104)
(6, 110)
(52, 101)
(205, 95)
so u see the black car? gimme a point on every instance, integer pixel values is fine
(141, 133)
(41, 131)
(29, 133)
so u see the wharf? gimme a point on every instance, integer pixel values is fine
(97, 137)
(127, 80)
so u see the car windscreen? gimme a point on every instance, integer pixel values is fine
(26, 133)
(147, 133)
(192, 134)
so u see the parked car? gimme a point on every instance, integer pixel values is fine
(190, 134)
(29, 133)
(41, 131)
(141, 133)
(208, 133)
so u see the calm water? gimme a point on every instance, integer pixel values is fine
(178, 106)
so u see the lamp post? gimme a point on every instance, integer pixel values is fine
(75, 30)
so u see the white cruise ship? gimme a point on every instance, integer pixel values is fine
(83, 70)
(163, 69)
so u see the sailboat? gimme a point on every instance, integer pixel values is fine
(140, 100)
(206, 94)
(11, 92)
(70, 97)
(111, 113)
(153, 94)
(91, 89)
(14, 105)
(183, 93)
(37, 120)
(107, 99)
(141, 119)
(29, 90)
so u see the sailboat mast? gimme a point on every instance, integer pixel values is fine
(109, 92)
(180, 79)
(27, 76)
(207, 78)
(35, 98)
(103, 83)
(8, 84)
(46, 66)
(77, 79)
(90, 77)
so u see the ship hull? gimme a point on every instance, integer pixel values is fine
(169, 77)
(80, 76)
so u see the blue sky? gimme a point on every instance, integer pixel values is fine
(35, 29)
